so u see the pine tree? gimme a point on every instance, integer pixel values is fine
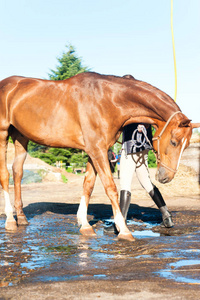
(69, 65)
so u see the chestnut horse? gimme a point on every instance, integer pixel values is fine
(88, 112)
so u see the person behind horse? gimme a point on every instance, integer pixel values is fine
(112, 160)
(134, 158)
(118, 158)
(136, 142)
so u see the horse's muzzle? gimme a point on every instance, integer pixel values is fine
(163, 175)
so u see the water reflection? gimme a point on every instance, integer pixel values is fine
(45, 242)
(176, 272)
(52, 241)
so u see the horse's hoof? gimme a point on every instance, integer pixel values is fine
(11, 225)
(126, 236)
(22, 220)
(87, 231)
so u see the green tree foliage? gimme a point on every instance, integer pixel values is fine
(69, 65)
(118, 145)
(79, 160)
(151, 160)
(49, 155)
(151, 156)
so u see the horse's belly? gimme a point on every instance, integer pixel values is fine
(53, 131)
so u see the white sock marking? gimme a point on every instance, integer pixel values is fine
(120, 222)
(82, 213)
(8, 206)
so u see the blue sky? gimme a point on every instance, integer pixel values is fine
(112, 37)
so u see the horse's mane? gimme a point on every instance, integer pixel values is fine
(130, 80)
(165, 98)
(154, 94)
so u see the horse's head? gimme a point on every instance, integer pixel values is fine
(169, 142)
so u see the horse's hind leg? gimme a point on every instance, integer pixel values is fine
(4, 180)
(20, 143)
(88, 185)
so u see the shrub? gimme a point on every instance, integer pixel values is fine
(151, 160)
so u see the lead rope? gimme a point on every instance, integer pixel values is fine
(135, 141)
(143, 142)
(148, 141)
(157, 154)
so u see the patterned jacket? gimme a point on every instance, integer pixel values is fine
(134, 141)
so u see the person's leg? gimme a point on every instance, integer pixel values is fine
(159, 201)
(124, 203)
(127, 168)
(142, 173)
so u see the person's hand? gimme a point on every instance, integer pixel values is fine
(140, 128)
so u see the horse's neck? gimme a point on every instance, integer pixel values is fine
(153, 103)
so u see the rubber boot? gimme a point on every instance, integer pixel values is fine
(159, 201)
(125, 199)
(166, 216)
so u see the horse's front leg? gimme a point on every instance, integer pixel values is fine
(4, 180)
(88, 185)
(20, 155)
(101, 164)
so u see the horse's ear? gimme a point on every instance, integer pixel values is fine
(195, 125)
(185, 123)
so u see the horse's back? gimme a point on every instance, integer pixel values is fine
(11, 84)
(42, 110)
(9, 81)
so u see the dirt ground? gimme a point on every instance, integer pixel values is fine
(49, 259)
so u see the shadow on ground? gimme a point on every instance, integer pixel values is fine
(98, 211)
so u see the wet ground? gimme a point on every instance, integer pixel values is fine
(49, 259)
(50, 249)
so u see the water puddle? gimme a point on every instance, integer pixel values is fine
(186, 268)
(145, 234)
(49, 240)
(51, 248)
(177, 272)
(145, 224)
(140, 234)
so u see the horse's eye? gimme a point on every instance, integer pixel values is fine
(173, 143)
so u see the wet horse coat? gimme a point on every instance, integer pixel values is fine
(87, 111)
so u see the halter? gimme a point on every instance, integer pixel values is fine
(158, 143)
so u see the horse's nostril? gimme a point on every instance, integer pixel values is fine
(162, 175)
(165, 180)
